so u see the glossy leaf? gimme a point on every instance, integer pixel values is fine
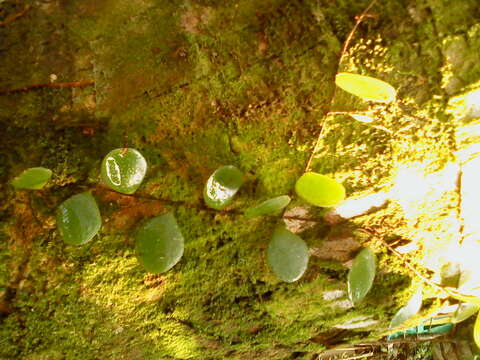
(287, 255)
(78, 219)
(464, 311)
(476, 331)
(270, 206)
(408, 311)
(361, 275)
(463, 295)
(320, 190)
(32, 179)
(123, 170)
(159, 244)
(222, 186)
(366, 87)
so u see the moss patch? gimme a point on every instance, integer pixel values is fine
(194, 86)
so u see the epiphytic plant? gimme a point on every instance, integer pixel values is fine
(160, 243)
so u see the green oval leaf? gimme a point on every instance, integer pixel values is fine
(287, 255)
(366, 87)
(320, 190)
(78, 219)
(408, 311)
(222, 186)
(270, 206)
(361, 275)
(159, 244)
(464, 311)
(468, 298)
(123, 170)
(476, 331)
(32, 179)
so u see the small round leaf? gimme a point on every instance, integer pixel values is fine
(366, 87)
(476, 331)
(464, 311)
(270, 206)
(320, 190)
(159, 244)
(287, 255)
(465, 295)
(408, 311)
(361, 275)
(78, 219)
(123, 170)
(32, 179)
(222, 186)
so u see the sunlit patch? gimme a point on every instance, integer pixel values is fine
(472, 101)
(447, 226)
(362, 118)
(358, 206)
(136, 176)
(465, 106)
(414, 184)
(405, 249)
(466, 255)
(113, 171)
(219, 192)
(470, 192)
(409, 186)
(429, 200)
(468, 141)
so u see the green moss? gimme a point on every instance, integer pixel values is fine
(461, 15)
(195, 86)
(5, 257)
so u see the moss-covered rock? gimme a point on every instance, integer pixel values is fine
(195, 86)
